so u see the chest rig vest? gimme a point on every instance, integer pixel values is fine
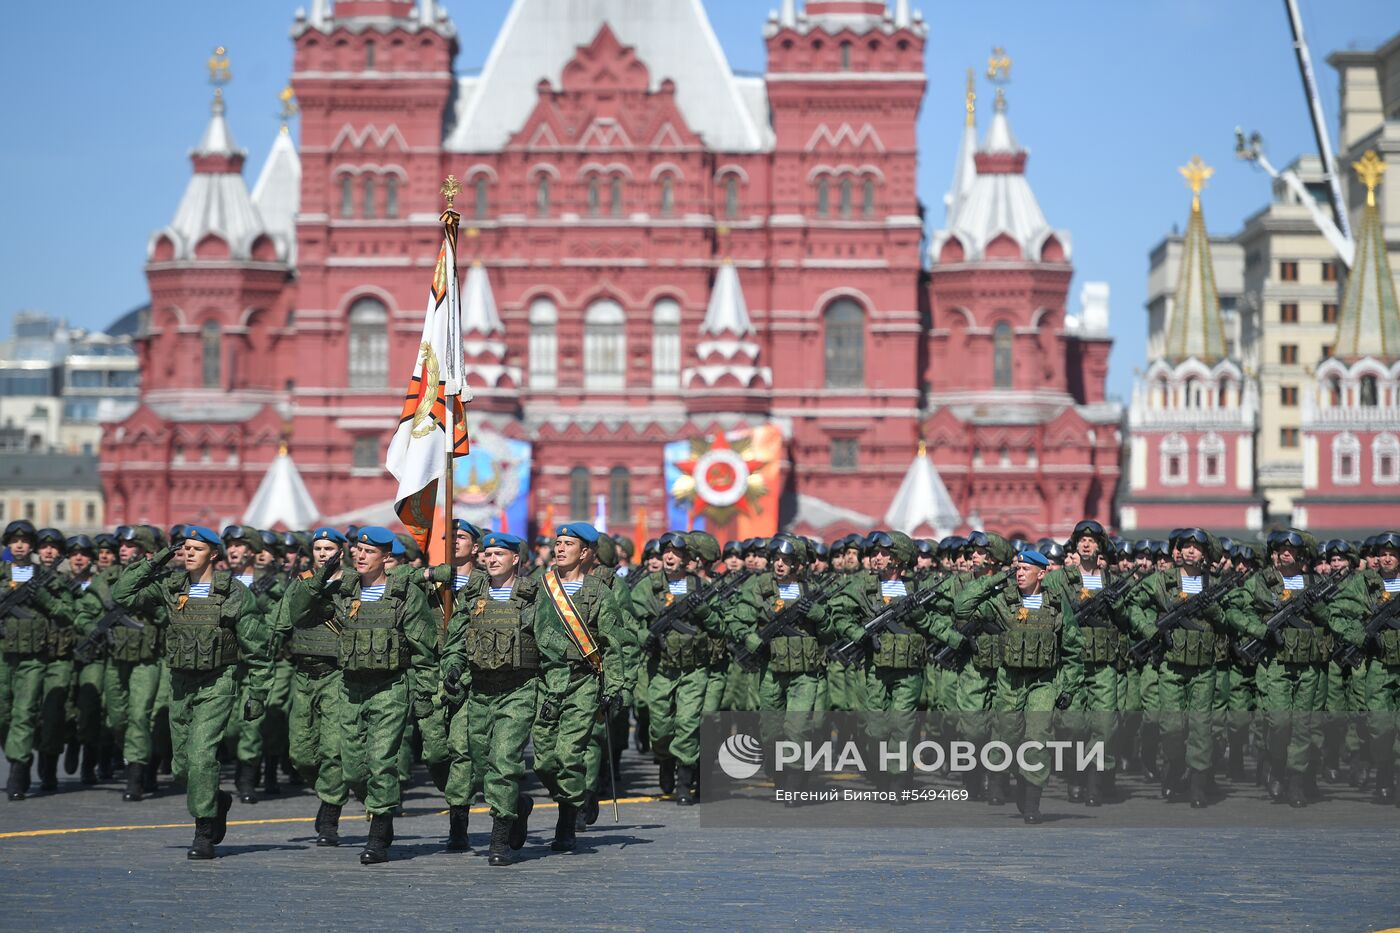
(496, 637)
(798, 653)
(1311, 645)
(1031, 640)
(129, 645)
(677, 650)
(1103, 642)
(370, 637)
(901, 648)
(26, 629)
(314, 635)
(1188, 646)
(198, 637)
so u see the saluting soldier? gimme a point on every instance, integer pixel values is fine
(213, 629)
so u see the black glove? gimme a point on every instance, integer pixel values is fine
(549, 712)
(612, 705)
(875, 642)
(423, 708)
(1277, 635)
(651, 642)
(328, 569)
(162, 557)
(253, 709)
(693, 602)
(452, 681)
(805, 605)
(1062, 701)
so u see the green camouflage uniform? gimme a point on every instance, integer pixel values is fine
(38, 647)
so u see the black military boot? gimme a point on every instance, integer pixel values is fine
(564, 836)
(457, 840)
(271, 785)
(1356, 769)
(438, 772)
(1310, 788)
(1109, 792)
(1297, 793)
(684, 776)
(72, 754)
(1198, 789)
(18, 784)
(520, 826)
(89, 765)
(1331, 752)
(1030, 802)
(1093, 788)
(1235, 771)
(108, 763)
(203, 845)
(643, 730)
(667, 776)
(1385, 782)
(224, 800)
(150, 779)
(1076, 788)
(328, 825)
(48, 771)
(998, 788)
(1151, 738)
(591, 807)
(381, 836)
(245, 781)
(1173, 776)
(135, 779)
(499, 853)
(1278, 773)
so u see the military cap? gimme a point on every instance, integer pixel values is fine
(1032, 556)
(82, 544)
(352, 532)
(1053, 551)
(501, 539)
(785, 546)
(176, 530)
(247, 534)
(952, 544)
(1386, 539)
(194, 533)
(461, 524)
(397, 548)
(19, 528)
(625, 545)
(903, 548)
(411, 550)
(325, 533)
(105, 541)
(272, 541)
(733, 549)
(581, 530)
(50, 536)
(819, 549)
(141, 536)
(1091, 528)
(376, 535)
(290, 541)
(703, 546)
(673, 539)
(606, 551)
(543, 541)
(652, 548)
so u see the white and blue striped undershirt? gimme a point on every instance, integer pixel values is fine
(571, 586)
(246, 579)
(372, 594)
(1190, 585)
(893, 588)
(1293, 583)
(460, 580)
(84, 584)
(677, 587)
(789, 591)
(22, 573)
(1392, 585)
(500, 593)
(1033, 601)
(199, 590)
(622, 571)
(1092, 581)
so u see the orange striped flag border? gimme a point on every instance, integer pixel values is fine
(573, 622)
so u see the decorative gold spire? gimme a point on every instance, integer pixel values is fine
(1196, 173)
(923, 448)
(1370, 169)
(999, 65)
(971, 97)
(288, 98)
(219, 73)
(451, 187)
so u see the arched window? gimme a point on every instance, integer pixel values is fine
(823, 196)
(391, 196)
(593, 196)
(1370, 396)
(1346, 459)
(369, 55)
(619, 496)
(846, 194)
(367, 205)
(867, 199)
(668, 194)
(845, 56)
(1385, 460)
(347, 196)
(579, 494)
(544, 343)
(481, 198)
(1210, 454)
(369, 344)
(1174, 455)
(1001, 355)
(666, 344)
(1193, 393)
(604, 346)
(542, 196)
(731, 197)
(211, 345)
(615, 196)
(845, 344)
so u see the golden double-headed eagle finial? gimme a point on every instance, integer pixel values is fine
(999, 65)
(288, 97)
(1196, 173)
(219, 73)
(451, 187)
(1369, 168)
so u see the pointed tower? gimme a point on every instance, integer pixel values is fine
(1351, 412)
(277, 194)
(727, 376)
(282, 500)
(493, 383)
(923, 502)
(1194, 413)
(965, 169)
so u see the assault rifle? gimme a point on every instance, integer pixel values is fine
(101, 636)
(1180, 615)
(1291, 614)
(20, 597)
(673, 618)
(782, 622)
(1386, 616)
(950, 658)
(1095, 609)
(896, 613)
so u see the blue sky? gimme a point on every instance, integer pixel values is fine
(1109, 96)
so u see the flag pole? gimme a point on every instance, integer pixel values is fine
(450, 221)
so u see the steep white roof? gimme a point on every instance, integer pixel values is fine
(923, 499)
(728, 312)
(964, 172)
(277, 194)
(479, 315)
(673, 38)
(282, 498)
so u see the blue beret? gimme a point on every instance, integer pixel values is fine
(376, 535)
(327, 534)
(581, 530)
(397, 548)
(501, 539)
(205, 535)
(1032, 556)
(461, 524)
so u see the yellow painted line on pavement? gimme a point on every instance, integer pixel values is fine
(32, 833)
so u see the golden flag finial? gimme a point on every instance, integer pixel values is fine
(450, 189)
(219, 73)
(1369, 169)
(923, 447)
(1196, 173)
(999, 65)
(971, 97)
(288, 97)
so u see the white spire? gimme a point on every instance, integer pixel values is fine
(923, 500)
(902, 17)
(282, 498)
(321, 13)
(277, 194)
(788, 16)
(965, 169)
(427, 12)
(999, 136)
(728, 313)
(217, 139)
(479, 314)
